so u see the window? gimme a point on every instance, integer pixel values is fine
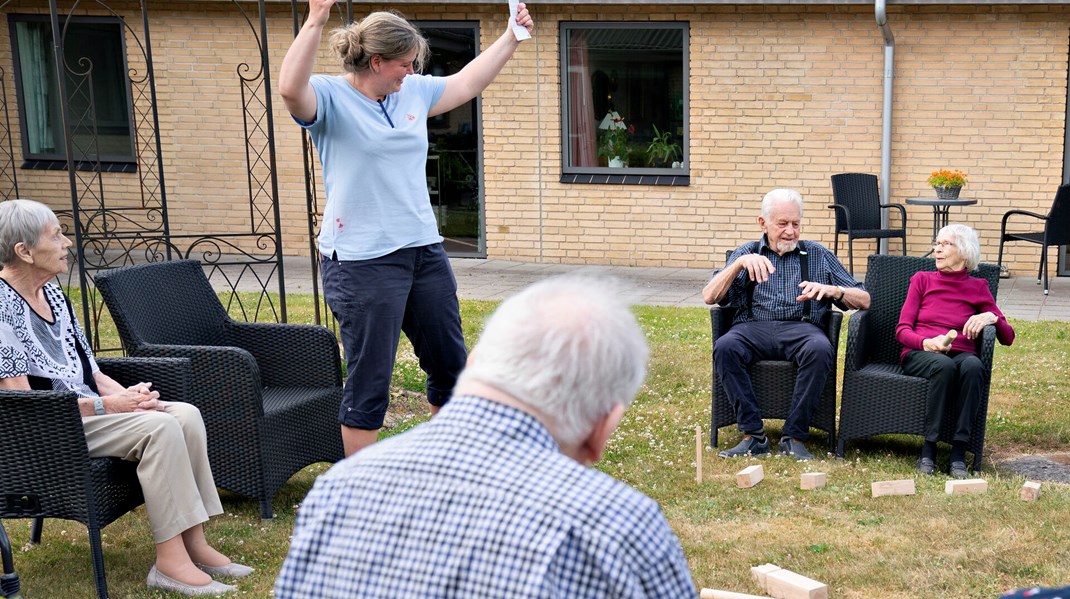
(624, 97)
(97, 90)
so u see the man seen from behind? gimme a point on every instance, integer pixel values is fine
(494, 497)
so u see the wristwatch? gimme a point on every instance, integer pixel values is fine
(842, 293)
(98, 406)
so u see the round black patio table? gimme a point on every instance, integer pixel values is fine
(941, 211)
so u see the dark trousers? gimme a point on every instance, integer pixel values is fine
(802, 343)
(954, 379)
(412, 290)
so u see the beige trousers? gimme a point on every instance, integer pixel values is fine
(172, 454)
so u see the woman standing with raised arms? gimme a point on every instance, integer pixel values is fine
(384, 268)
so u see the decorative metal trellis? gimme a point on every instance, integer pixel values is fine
(246, 262)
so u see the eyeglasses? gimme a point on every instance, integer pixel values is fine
(943, 244)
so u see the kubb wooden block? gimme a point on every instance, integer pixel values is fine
(759, 573)
(947, 338)
(966, 486)
(893, 487)
(812, 480)
(750, 476)
(1030, 491)
(785, 584)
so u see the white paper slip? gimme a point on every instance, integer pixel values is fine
(519, 31)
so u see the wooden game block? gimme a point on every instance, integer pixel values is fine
(966, 487)
(785, 584)
(1030, 491)
(759, 573)
(750, 476)
(947, 338)
(812, 480)
(893, 487)
(719, 594)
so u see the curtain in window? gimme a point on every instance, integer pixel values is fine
(581, 133)
(37, 74)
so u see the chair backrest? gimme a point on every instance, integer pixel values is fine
(1058, 226)
(887, 281)
(859, 193)
(163, 302)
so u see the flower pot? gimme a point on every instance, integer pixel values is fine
(616, 162)
(947, 193)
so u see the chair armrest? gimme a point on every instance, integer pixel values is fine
(986, 346)
(222, 380)
(290, 355)
(857, 328)
(721, 318)
(902, 211)
(1009, 213)
(846, 213)
(832, 329)
(44, 451)
(169, 376)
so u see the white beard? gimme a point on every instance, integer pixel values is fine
(785, 247)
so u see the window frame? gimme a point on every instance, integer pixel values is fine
(59, 160)
(625, 175)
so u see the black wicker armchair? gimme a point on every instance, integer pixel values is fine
(269, 393)
(877, 397)
(774, 382)
(45, 468)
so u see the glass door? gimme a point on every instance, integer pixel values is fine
(454, 164)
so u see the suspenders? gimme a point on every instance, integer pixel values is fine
(804, 272)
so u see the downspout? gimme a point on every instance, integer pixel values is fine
(886, 116)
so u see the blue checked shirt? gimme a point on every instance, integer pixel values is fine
(479, 502)
(775, 299)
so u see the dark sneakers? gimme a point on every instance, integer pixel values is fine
(796, 449)
(958, 470)
(749, 446)
(925, 466)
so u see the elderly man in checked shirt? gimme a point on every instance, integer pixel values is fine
(782, 287)
(494, 497)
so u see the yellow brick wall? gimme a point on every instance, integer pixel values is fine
(780, 96)
(785, 96)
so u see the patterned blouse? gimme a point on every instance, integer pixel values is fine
(33, 346)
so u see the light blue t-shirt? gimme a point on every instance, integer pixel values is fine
(374, 173)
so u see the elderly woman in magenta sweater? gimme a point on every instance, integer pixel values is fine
(939, 302)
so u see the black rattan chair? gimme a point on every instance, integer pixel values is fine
(857, 202)
(45, 468)
(269, 393)
(1056, 230)
(877, 398)
(774, 382)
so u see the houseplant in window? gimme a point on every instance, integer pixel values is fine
(947, 183)
(613, 139)
(662, 152)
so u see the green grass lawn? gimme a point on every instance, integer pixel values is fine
(927, 544)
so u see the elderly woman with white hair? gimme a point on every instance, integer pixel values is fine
(43, 347)
(938, 302)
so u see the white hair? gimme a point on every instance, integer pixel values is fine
(966, 242)
(567, 346)
(22, 221)
(780, 195)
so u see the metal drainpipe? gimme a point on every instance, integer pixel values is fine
(886, 124)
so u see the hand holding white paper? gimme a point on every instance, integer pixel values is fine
(519, 31)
